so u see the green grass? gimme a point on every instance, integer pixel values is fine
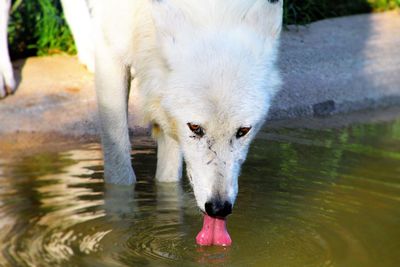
(38, 27)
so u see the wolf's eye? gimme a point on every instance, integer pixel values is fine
(242, 131)
(197, 129)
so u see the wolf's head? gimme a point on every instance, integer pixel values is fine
(222, 76)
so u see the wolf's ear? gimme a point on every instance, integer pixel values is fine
(171, 24)
(265, 16)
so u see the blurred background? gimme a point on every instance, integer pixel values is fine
(38, 27)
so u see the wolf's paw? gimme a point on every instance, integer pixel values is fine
(7, 83)
(88, 62)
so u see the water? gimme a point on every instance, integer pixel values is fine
(308, 197)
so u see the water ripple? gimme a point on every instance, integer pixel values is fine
(306, 198)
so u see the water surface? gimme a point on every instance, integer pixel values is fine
(307, 197)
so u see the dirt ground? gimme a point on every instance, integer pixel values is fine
(55, 94)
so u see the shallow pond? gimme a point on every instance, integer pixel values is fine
(307, 197)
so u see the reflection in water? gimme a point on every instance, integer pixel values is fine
(328, 197)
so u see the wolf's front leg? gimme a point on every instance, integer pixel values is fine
(112, 88)
(169, 159)
(7, 81)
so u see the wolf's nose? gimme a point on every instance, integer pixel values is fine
(218, 208)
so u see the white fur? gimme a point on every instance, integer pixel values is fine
(209, 62)
(78, 17)
(7, 81)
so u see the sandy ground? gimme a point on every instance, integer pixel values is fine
(54, 94)
(332, 66)
(340, 65)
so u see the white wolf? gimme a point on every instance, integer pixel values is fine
(206, 75)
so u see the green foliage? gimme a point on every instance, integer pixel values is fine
(306, 11)
(381, 5)
(53, 33)
(38, 27)
(21, 28)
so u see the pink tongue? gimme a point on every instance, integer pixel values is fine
(214, 232)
